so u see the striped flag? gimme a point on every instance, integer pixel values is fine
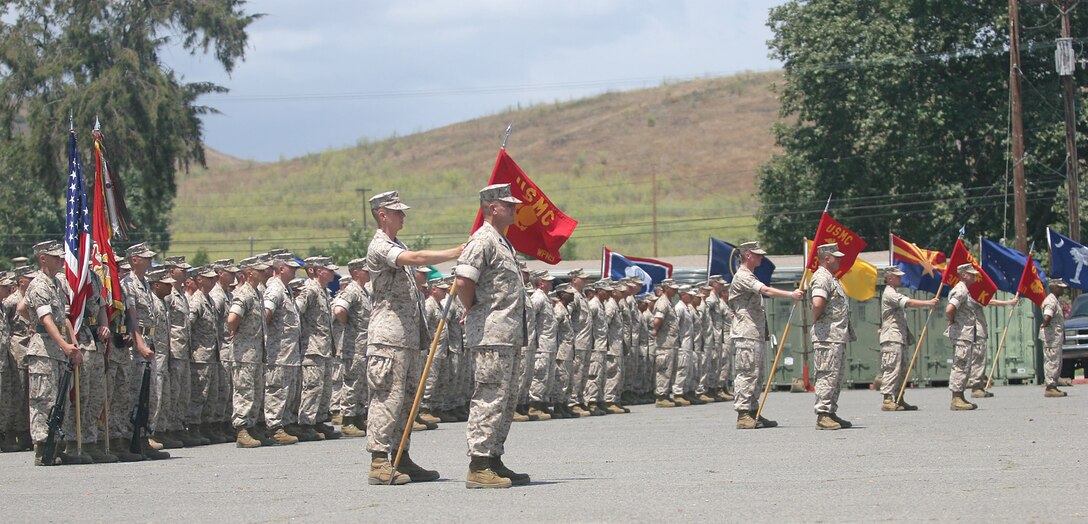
(77, 236)
(109, 219)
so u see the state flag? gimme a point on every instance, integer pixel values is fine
(723, 259)
(1068, 260)
(650, 271)
(923, 268)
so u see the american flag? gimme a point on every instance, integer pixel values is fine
(77, 236)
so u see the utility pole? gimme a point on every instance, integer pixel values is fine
(653, 191)
(1019, 189)
(362, 193)
(1066, 68)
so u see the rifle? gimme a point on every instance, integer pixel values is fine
(56, 417)
(140, 412)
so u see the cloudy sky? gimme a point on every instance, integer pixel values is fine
(327, 73)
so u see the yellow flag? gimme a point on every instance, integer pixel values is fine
(860, 282)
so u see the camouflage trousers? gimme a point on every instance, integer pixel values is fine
(579, 375)
(248, 393)
(224, 403)
(703, 360)
(13, 397)
(1052, 364)
(353, 395)
(392, 378)
(543, 376)
(748, 373)
(828, 359)
(158, 416)
(316, 390)
(456, 382)
(712, 370)
(967, 360)
(977, 377)
(525, 374)
(595, 377)
(725, 364)
(44, 379)
(119, 378)
(180, 391)
(432, 390)
(685, 370)
(893, 364)
(613, 377)
(281, 384)
(92, 392)
(491, 410)
(560, 390)
(664, 370)
(204, 392)
(335, 373)
(631, 363)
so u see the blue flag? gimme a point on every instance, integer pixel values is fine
(1068, 260)
(1004, 265)
(617, 266)
(723, 259)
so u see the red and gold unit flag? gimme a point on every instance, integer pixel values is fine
(984, 288)
(850, 244)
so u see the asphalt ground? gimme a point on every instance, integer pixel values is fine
(1019, 457)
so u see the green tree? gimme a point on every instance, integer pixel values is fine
(900, 109)
(102, 58)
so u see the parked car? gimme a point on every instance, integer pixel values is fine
(1075, 350)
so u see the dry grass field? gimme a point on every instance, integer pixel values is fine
(595, 157)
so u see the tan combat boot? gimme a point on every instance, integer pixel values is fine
(664, 402)
(282, 438)
(824, 421)
(763, 422)
(1053, 392)
(419, 426)
(679, 400)
(427, 417)
(98, 455)
(842, 422)
(161, 440)
(381, 471)
(414, 471)
(889, 404)
(614, 409)
(122, 448)
(538, 411)
(38, 452)
(580, 412)
(516, 479)
(980, 393)
(725, 396)
(245, 440)
(481, 475)
(521, 417)
(961, 404)
(327, 431)
(430, 425)
(706, 398)
(353, 427)
(151, 453)
(745, 420)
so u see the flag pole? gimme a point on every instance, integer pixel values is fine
(509, 129)
(1001, 344)
(423, 379)
(918, 346)
(806, 383)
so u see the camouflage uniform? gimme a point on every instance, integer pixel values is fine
(495, 328)
(45, 359)
(667, 344)
(247, 366)
(282, 374)
(748, 333)
(725, 365)
(92, 372)
(177, 311)
(315, 312)
(595, 376)
(543, 316)
(581, 323)
(527, 356)
(223, 404)
(432, 390)
(15, 409)
(395, 337)
(204, 385)
(461, 365)
(354, 299)
(830, 335)
(564, 334)
(613, 368)
(161, 387)
(1052, 337)
(965, 335)
(895, 336)
(144, 306)
(685, 321)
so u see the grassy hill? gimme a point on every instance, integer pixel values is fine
(595, 157)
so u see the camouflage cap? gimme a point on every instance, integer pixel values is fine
(439, 283)
(24, 271)
(358, 263)
(499, 192)
(296, 284)
(565, 288)
(716, 279)
(344, 280)
(205, 271)
(423, 269)
(751, 247)
(577, 273)
(966, 268)
(668, 282)
(387, 200)
(254, 263)
(178, 261)
(278, 251)
(892, 270)
(139, 250)
(286, 258)
(125, 265)
(1056, 282)
(831, 248)
(161, 275)
(7, 279)
(19, 261)
(542, 274)
(49, 247)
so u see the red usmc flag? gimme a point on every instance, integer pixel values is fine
(830, 230)
(541, 228)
